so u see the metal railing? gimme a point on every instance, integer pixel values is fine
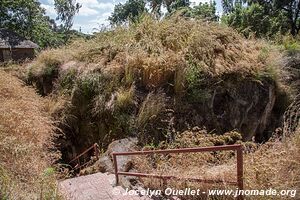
(77, 161)
(237, 148)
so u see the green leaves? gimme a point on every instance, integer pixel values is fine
(205, 11)
(27, 18)
(129, 11)
(263, 18)
(66, 10)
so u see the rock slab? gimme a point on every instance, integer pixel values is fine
(97, 186)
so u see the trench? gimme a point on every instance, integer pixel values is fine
(257, 118)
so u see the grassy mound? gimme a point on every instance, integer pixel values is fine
(155, 53)
(25, 137)
(131, 81)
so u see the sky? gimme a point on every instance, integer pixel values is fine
(94, 13)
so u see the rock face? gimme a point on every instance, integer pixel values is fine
(125, 163)
(125, 145)
(251, 107)
(105, 163)
(246, 107)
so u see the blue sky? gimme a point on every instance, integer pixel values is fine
(94, 13)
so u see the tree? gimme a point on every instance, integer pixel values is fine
(129, 11)
(255, 19)
(178, 4)
(66, 10)
(206, 11)
(230, 5)
(27, 18)
(291, 9)
(20, 15)
(170, 5)
(155, 6)
(279, 15)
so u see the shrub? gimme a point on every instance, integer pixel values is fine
(67, 80)
(197, 89)
(125, 98)
(90, 84)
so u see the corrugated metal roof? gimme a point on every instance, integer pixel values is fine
(10, 39)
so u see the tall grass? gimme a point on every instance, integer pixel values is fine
(155, 53)
(26, 134)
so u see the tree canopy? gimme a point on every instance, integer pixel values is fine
(263, 17)
(66, 10)
(206, 11)
(28, 19)
(130, 10)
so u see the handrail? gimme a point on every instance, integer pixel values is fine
(237, 147)
(77, 158)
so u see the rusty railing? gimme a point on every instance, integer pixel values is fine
(76, 160)
(237, 148)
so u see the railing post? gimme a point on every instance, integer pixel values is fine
(96, 151)
(240, 171)
(116, 167)
(78, 160)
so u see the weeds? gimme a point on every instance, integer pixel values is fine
(125, 98)
(274, 164)
(197, 84)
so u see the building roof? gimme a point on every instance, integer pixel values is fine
(10, 39)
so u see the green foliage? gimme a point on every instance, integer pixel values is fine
(263, 17)
(291, 45)
(4, 181)
(291, 9)
(50, 171)
(66, 10)
(269, 74)
(170, 5)
(125, 98)
(229, 6)
(196, 88)
(90, 84)
(264, 54)
(27, 18)
(256, 19)
(178, 4)
(67, 80)
(129, 11)
(205, 11)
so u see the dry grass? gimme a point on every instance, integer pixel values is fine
(25, 138)
(275, 164)
(154, 53)
(150, 108)
(125, 97)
